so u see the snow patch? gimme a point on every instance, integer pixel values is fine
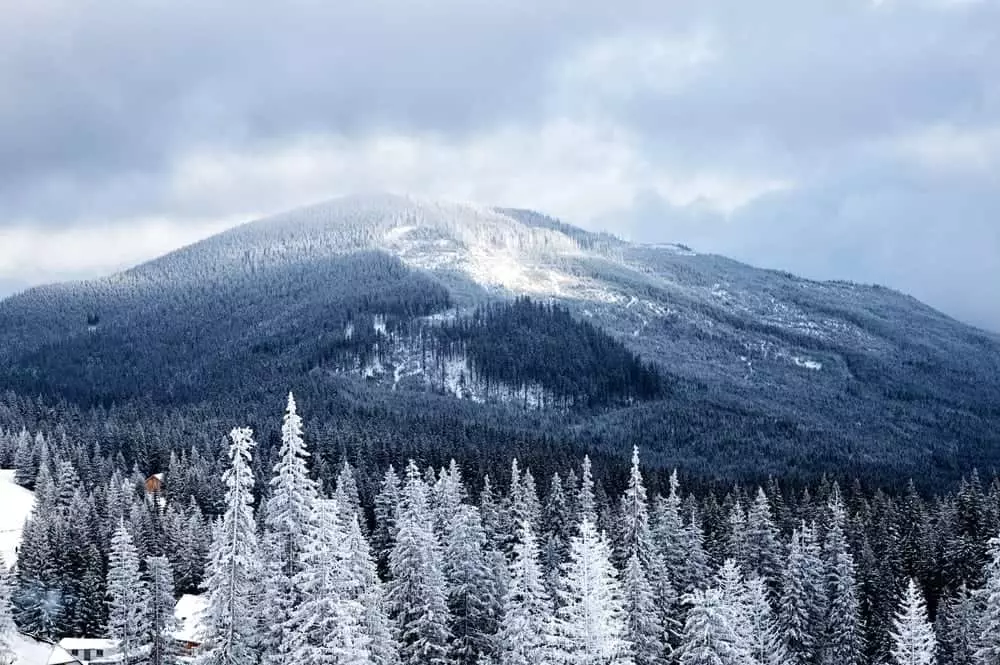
(807, 363)
(17, 504)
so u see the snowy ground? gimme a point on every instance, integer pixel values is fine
(15, 506)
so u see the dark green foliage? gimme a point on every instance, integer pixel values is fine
(527, 343)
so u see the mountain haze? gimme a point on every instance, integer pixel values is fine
(406, 305)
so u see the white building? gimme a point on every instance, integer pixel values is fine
(91, 650)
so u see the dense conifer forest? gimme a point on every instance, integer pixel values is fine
(312, 549)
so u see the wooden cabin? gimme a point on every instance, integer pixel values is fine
(154, 484)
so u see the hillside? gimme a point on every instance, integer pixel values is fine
(379, 302)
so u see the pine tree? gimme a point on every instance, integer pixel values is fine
(842, 628)
(128, 621)
(417, 593)
(366, 588)
(8, 630)
(558, 530)
(644, 628)
(708, 637)
(288, 526)
(160, 611)
(958, 629)
(234, 566)
(586, 503)
(326, 627)
(797, 606)
(472, 589)
(988, 652)
(912, 635)
(765, 640)
(763, 553)
(527, 606)
(590, 624)
(386, 511)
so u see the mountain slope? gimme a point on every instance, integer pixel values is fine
(759, 370)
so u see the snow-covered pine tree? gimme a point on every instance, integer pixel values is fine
(128, 621)
(590, 624)
(160, 603)
(386, 510)
(842, 639)
(736, 602)
(7, 628)
(797, 610)
(763, 550)
(765, 639)
(988, 652)
(644, 627)
(557, 530)
(527, 606)
(417, 591)
(912, 634)
(957, 628)
(347, 496)
(326, 627)
(234, 567)
(641, 562)
(708, 637)
(288, 527)
(366, 588)
(586, 502)
(472, 589)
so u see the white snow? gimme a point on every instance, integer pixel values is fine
(189, 612)
(17, 504)
(807, 363)
(32, 651)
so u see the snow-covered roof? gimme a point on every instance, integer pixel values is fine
(189, 611)
(33, 651)
(82, 643)
(17, 505)
(158, 476)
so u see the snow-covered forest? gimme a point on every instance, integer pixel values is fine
(425, 566)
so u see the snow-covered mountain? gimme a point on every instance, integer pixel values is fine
(745, 353)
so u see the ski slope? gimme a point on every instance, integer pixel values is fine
(16, 504)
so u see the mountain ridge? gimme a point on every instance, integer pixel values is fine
(781, 367)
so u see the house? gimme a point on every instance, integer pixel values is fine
(91, 650)
(154, 484)
(31, 650)
(189, 613)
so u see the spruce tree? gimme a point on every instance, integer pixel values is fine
(160, 610)
(473, 596)
(912, 634)
(417, 591)
(988, 652)
(590, 625)
(128, 621)
(842, 628)
(288, 526)
(957, 628)
(708, 637)
(527, 606)
(8, 631)
(766, 647)
(365, 587)
(234, 567)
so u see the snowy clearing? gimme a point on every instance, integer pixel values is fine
(17, 504)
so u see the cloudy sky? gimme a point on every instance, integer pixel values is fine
(851, 139)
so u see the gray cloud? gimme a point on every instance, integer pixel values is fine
(851, 139)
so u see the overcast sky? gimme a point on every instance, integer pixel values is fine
(833, 138)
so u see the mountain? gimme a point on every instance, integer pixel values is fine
(411, 307)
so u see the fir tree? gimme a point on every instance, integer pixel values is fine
(912, 635)
(988, 652)
(842, 629)
(417, 593)
(708, 637)
(590, 624)
(766, 647)
(527, 606)
(958, 629)
(365, 587)
(288, 526)
(472, 589)
(128, 621)
(234, 566)
(160, 611)
(8, 631)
